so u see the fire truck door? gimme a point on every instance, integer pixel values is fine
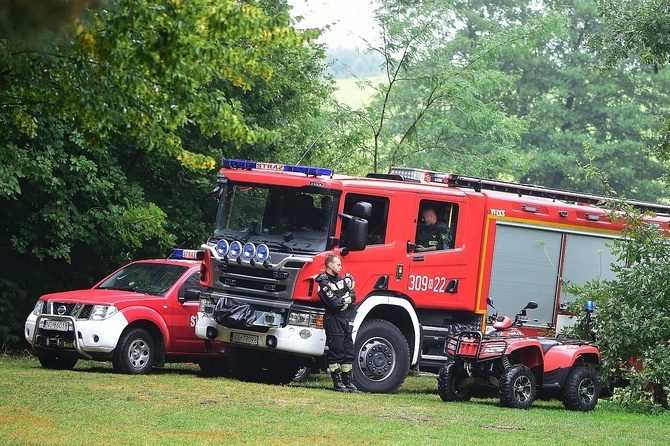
(436, 269)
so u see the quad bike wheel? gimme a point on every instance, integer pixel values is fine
(452, 384)
(517, 387)
(581, 389)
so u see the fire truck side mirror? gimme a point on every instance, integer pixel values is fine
(357, 234)
(357, 227)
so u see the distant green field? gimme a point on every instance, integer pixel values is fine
(349, 93)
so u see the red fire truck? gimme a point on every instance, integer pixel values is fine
(276, 223)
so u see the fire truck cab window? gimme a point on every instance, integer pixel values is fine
(378, 220)
(436, 227)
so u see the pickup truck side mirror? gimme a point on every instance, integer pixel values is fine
(190, 295)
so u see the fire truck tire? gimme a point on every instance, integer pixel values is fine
(450, 384)
(302, 375)
(55, 361)
(581, 389)
(135, 353)
(381, 357)
(517, 387)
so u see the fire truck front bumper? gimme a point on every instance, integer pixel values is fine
(297, 339)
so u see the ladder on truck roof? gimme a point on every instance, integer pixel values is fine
(479, 184)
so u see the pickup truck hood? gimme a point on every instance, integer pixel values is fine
(95, 296)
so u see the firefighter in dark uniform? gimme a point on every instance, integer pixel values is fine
(434, 235)
(337, 294)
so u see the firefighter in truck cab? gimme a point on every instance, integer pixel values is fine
(337, 294)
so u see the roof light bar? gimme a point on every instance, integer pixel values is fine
(248, 165)
(191, 254)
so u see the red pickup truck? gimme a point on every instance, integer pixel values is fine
(140, 317)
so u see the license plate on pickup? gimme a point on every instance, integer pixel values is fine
(240, 338)
(56, 325)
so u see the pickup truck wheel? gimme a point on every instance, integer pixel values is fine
(517, 387)
(55, 361)
(134, 354)
(581, 389)
(381, 357)
(452, 384)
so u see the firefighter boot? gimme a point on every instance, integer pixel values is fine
(338, 385)
(348, 381)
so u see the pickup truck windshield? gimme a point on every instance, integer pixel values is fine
(286, 219)
(147, 278)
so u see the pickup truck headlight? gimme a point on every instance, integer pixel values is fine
(39, 308)
(102, 312)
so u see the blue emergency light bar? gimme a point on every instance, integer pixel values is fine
(190, 254)
(248, 165)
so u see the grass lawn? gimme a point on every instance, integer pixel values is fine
(94, 405)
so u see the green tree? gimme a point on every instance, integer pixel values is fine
(111, 129)
(632, 322)
(435, 97)
(577, 116)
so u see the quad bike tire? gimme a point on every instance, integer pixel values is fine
(452, 385)
(518, 387)
(581, 389)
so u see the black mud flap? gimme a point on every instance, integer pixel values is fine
(234, 314)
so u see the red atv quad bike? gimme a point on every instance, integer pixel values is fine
(519, 366)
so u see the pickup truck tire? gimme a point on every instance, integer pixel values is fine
(581, 389)
(135, 353)
(517, 387)
(381, 357)
(450, 384)
(55, 361)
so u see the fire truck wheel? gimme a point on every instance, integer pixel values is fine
(452, 384)
(381, 360)
(581, 389)
(55, 361)
(134, 354)
(517, 387)
(302, 375)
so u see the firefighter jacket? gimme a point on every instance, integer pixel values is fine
(333, 291)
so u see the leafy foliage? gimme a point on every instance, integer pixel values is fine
(434, 96)
(631, 320)
(111, 126)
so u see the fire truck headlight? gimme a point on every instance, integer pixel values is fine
(249, 251)
(305, 319)
(235, 249)
(39, 308)
(262, 253)
(102, 312)
(222, 248)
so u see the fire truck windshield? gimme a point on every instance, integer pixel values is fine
(287, 219)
